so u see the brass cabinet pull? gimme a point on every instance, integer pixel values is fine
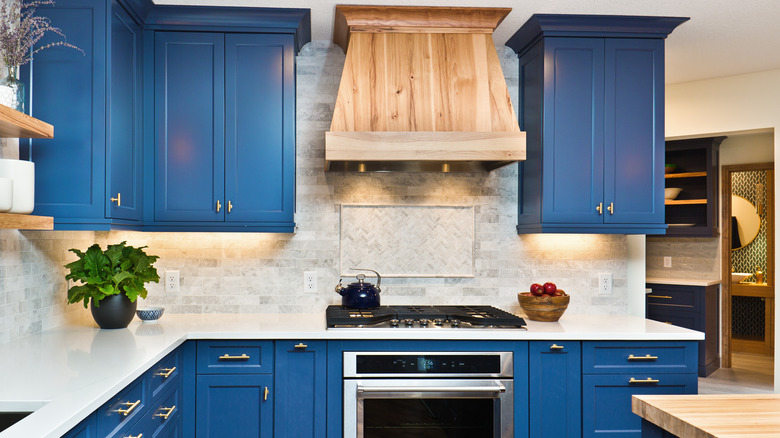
(167, 414)
(556, 347)
(666, 297)
(647, 380)
(611, 208)
(226, 356)
(130, 408)
(166, 372)
(118, 199)
(219, 206)
(645, 357)
(301, 345)
(265, 394)
(600, 208)
(140, 435)
(229, 206)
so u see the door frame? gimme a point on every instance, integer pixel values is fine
(725, 258)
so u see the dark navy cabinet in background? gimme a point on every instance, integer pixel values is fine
(592, 105)
(175, 118)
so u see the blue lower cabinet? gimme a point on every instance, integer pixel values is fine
(555, 382)
(234, 405)
(300, 380)
(606, 400)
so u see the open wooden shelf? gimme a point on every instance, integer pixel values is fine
(14, 124)
(684, 201)
(685, 175)
(26, 222)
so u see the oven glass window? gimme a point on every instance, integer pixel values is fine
(429, 418)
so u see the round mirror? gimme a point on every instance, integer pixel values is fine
(744, 222)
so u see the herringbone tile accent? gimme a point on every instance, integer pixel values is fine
(408, 241)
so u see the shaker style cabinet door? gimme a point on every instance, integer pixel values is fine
(68, 90)
(259, 128)
(300, 378)
(555, 376)
(234, 405)
(124, 154)
(189, 126)
(573, 130)
(634, 130)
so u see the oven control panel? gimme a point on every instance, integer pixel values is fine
(428, 364)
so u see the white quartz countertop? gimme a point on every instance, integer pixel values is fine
(683, 281)
(64, 374)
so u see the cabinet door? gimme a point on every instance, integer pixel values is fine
(606, 400)
(259, 127)
(124, 122)
(554, 389)
(189, 126)
(70, 93)
(634, 130)
(86, 429)
(234, 405)
(573, 162)
(300, 379)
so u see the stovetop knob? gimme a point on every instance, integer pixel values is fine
(409, 321)
(394, 322)
(455, 323)
(438, 321)
(424, 322)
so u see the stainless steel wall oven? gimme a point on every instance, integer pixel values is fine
(428, 394)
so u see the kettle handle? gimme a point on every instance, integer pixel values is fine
(378, 277)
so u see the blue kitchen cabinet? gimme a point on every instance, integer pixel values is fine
(591, 103)
(86, 429)
(234, 405)
(555, 378)
(224, 132)
(94, 101)
(613, 371)
(300, 379)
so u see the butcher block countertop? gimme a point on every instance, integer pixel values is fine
(717, 415)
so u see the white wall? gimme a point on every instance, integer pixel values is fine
(734, 104)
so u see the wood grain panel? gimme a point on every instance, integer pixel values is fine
(26, 222)
(705, 416)
(14, 124)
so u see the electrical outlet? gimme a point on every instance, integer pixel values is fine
(605, 283)
(667, 262)
(172, 281)
(309, 282)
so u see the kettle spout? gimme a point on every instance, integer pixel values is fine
(339, 289)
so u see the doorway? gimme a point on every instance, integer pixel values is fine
(747, 260)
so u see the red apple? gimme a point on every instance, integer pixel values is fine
(537, 289)
(550, 288)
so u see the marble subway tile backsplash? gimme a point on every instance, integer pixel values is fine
(692, 257)
(253, 272)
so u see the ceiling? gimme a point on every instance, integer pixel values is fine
(723, 37)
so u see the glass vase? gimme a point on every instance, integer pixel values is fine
(17, 89)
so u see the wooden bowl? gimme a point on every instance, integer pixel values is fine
(544, 308)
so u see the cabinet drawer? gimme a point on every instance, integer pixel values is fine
(675, 316)
(631, 357)
(240, 357)
(681, 296)
(607, 400)
(164, 412)
(123, 410)
(164, 374)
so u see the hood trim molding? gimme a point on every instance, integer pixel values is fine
(421, 84)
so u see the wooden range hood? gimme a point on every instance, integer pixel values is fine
(422, 90)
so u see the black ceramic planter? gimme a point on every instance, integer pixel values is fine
(114, 312)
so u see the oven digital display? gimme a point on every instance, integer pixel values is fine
(428, 364)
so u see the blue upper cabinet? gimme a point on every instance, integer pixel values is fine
(224, 131)
(591, 103)
(176, 118)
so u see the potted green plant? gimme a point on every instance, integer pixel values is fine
(111, 281)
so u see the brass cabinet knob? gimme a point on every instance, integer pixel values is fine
(118, 199)
(229, 206)
(130, 408)
(219, 206)
(244, 356)
(166, 372)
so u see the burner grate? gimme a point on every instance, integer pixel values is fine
(473, 316)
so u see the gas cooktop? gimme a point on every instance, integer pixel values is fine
(422, 317)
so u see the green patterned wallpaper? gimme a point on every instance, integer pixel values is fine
(747, 258)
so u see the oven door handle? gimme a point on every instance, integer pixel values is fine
(498, 388)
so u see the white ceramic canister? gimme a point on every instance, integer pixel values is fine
(6, 194)
(23, 175)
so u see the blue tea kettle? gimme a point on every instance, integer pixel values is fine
(360, 295)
